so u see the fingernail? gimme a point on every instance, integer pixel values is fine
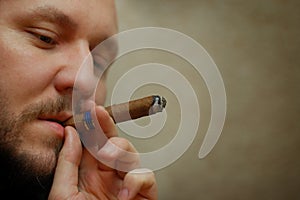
(123, 194)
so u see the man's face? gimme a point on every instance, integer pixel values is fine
(42, 46)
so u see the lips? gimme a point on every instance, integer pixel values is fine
(52, 124)
(58, 118)
(54, 120)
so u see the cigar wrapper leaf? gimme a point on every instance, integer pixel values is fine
(123, 112)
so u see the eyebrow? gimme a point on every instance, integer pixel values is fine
(53, 15)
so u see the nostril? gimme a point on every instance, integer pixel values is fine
(68, 81)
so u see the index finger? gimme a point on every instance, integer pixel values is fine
(106, 122)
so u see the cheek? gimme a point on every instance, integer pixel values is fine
(22, 77)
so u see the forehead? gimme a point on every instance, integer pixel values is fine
(89, 18)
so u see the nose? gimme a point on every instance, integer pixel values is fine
(76, 71)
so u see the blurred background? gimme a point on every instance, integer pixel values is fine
(256, 46)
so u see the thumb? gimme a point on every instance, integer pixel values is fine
(65, 183)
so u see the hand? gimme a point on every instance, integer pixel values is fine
(80, 176)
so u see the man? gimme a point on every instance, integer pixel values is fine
(42, 45)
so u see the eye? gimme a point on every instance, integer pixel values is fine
(99, 69)
(46, 39)
(100, 65)
(42, 38)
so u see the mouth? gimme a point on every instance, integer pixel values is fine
(55, 120)
(59, 118)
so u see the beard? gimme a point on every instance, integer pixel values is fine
(28, 174)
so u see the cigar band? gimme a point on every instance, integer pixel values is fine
(88, 121)
(85, 119)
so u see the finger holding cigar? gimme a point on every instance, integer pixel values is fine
(123, 112)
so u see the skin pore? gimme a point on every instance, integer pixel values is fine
(42, 45)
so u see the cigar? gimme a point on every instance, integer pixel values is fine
(123, 112)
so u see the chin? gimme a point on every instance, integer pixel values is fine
(28, 157)
(27, 173)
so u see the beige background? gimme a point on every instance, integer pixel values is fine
(256, 46)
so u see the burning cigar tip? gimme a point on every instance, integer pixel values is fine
(164, 102)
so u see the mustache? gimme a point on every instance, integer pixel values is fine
(45, 107)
